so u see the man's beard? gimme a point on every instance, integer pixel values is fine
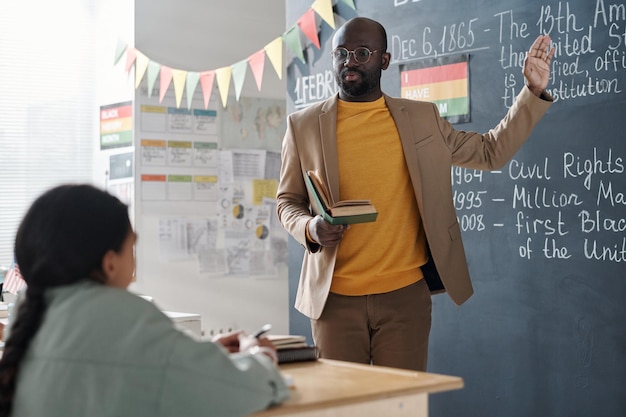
(368, 83)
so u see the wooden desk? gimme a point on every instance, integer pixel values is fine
(332, 388)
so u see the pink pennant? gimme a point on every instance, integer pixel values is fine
(206, 82)
(307, 25)
(257, 63)
(166, 79)
(131, 55)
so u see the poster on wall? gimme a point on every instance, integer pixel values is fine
(116, 125)
(254, 123)
(443, 81)
(121, 166)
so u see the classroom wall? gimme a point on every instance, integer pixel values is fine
(196, 36)
(115, 22)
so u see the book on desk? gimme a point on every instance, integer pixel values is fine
(338, 212)
(293, 348)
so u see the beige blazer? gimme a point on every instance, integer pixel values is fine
(431, 146)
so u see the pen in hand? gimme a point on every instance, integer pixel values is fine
(264, 345)
(266, 328)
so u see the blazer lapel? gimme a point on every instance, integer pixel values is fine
(402, 120)
(328, 132)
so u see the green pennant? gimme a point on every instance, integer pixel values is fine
(190, 85)
(119, 51)
(239, 75)
(292, 39)
(153, 72)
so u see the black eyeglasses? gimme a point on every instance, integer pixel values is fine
(362, 55)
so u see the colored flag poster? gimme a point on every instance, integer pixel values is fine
(116, 125)
(443, 81)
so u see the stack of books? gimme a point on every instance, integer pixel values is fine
(293, 348)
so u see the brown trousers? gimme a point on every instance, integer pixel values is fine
(389, 329)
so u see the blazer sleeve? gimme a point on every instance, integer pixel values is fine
(292, 200)
(495, 148)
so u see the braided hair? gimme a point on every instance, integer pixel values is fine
(61, 241)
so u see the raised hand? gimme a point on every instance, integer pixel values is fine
(537, 64)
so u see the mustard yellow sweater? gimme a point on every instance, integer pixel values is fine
(384, 255)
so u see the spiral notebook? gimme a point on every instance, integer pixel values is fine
(298, 354)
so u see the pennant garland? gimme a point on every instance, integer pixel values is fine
(274, 51)
(239, 75)
(206, 82)
(257, 64)
(324, 8)
(187, 81)
(153, 72)
(179, 77)
(307, 25)
(292, 39)
(166, 79)
(223, 82)
(119, 51)
(141, 65)
(192, 82)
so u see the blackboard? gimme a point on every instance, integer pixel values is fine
(545, 332)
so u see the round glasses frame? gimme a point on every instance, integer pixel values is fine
(362, 54)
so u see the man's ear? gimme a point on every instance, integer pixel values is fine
(109, 265)
(386, 60)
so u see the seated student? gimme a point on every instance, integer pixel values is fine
(81, 345)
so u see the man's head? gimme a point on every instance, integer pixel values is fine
(359, 56)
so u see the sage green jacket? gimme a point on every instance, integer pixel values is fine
(103, 351)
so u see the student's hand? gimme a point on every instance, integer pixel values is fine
(255, 345)
(324, 233)
(537, 64)
(229, 340)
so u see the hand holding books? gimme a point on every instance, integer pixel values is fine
(338, 212)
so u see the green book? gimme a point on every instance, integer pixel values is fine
(341, 212)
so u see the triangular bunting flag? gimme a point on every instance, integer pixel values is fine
(153, 72)
(206, 82)
(239, 76)
(274, 51)
(166, 79)
(192, 82)
(131, 55)
(350, 3)
(325, 9)
(292, 39)
(223, 82)
(140, 67)
(307, 25)
(119, 51)
(257, 64)
(179, 77)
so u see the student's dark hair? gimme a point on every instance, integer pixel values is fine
(61, 240)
